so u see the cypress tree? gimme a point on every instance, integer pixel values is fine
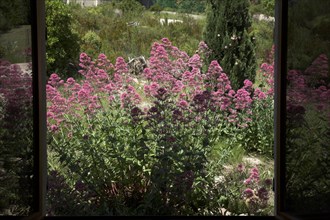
(227, 35)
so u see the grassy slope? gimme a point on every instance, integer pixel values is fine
(14, 42)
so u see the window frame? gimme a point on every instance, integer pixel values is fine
(40, 128)
(38, 24)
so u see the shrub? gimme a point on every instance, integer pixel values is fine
(190, 6)
(14, 13)
(309, 28)
(308, 133)
(62, 45)
(16, 148)
(227, 35)
(248, 191)
(92, 43)
(143, 143)
(156, 8)
(266, 7)
(259, 134)
(130, 7)
(119, 37)
(264, 37)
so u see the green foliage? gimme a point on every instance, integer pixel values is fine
(62, 46)
(92, 44)
(307, 148)
(183, 6)
(167, 3)
(191, 6)
(15, 44)
(266, 7)
(13, 13)
(119, 38)
(130, 7)
(234, 184)
(16, 141)
(264, 37)
(259, 136)
(308, 26)
(306, 183)
(2, 106)
(139, 165)
(156, 8)
(227, 35)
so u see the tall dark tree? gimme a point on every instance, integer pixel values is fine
(227, 35)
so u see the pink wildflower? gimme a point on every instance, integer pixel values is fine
(248, 193)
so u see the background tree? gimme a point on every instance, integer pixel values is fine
(266, 7)
(62, 46)
(13, 13)
(309, 26)
(167, 3)
(227, 33)
(191, 6)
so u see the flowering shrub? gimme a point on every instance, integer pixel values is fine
(256, 194)
(16, 126)
(259, 135)
(248, 191)
(308, 134)
(2, 106)
(143, 143)
(311, 86)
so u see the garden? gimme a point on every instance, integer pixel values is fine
(151, 121)
(164, 118)
(147, 118)
(130, 144)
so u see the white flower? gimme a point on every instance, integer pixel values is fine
(226, 47)
(236, 63)
(218, 35)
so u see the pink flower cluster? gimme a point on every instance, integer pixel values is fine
(168, 69)
(256, 195)
(102, 82)
(310, 86)
(15, 88)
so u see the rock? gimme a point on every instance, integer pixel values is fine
(252, 160)
(136, 65)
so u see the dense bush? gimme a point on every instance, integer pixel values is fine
(227, 32)
(130, 33)
(247, 190)
(14, 13)
(263, 31)
(167, 3)
(309, 27)
(16, 155)
(62, 45)
(191, 6)
(308, 134)
(132, 145)
(266, 7)
(259, 135)
(92, 43)
(183, 6)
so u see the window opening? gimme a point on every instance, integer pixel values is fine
(168, 109)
